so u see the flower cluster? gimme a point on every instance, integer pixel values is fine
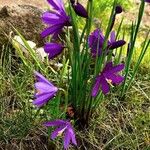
(45, 91)
(57, 19)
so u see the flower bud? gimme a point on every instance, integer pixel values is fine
(80, 10)
(118, 9)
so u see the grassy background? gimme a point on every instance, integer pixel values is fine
(116, 124)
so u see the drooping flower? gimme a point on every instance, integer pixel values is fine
(45, 90)
(107, 78)
(62, 127)
(56, 19)
(53, 49)
(96, 41)
(79, 9)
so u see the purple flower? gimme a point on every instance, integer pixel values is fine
(65, 127)
(45, 90)
(107, 78)
(112, 43)
(79, 9)
(53, 49)
(96, 41)
(57, 19)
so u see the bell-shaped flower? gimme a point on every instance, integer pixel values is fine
(56, 19)
(53, 49)
(65, 128)
(44, 90)
(107, 78)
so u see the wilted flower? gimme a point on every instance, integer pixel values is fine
(79, 9)
(62, 127)
(57, 19)
(53, 49)
(45, 90)
(96, 41)
(107, 78)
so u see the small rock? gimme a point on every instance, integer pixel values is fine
(17, 42)
(41, 53)
(25, 18)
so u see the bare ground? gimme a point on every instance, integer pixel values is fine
(38, 3)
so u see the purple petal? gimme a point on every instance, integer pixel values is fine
(55, 35)
(51, 30)
(95, 41)
(45, 88)
(67, 139)
(112, 37)
(117, 68)
(97, 36)
(96, 87)
(54, 123)
(117, 44)
(52, 18)
(53, 49)
(80, 10)
(57, 4)
(117, 79)
(41, 78)
(105, 87)
(42, 99)
(55, 133)
(108, 66)
(72, 134)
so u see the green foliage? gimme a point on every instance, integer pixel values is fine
(114, 124)
(102, 9)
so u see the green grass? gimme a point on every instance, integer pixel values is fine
(116, 124)
(122, 124)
